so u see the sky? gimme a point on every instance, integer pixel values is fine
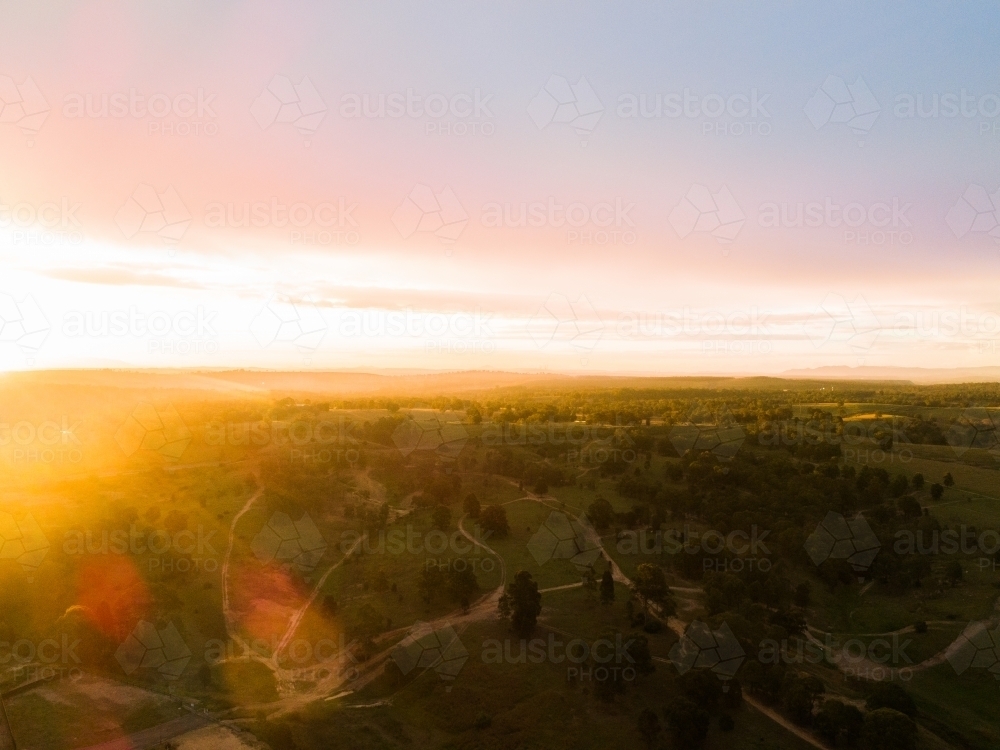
(668, 188)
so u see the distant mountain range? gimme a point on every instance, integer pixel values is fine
(374, 383)
(919, 375)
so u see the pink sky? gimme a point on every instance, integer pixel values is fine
(616, 240)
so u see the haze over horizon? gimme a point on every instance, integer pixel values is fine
(580, 189)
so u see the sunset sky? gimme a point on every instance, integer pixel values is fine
(265, 189)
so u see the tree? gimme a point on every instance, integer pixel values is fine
(441, 517)
(839, 723)
(886, 729)
(702, 688)
(494, 519)
(909, 506)
(802, 595)
(798, 694)
(918, 481)
(462, 585)
(649, 726)
(948, 480)
(642, 657)
(431, 582)
(541, 487)
(470, 506)
(521, 603)
(601, 514)
(899, 486)
(650, 585)
(367, 624)
(607, 587)
(688, 723)
(936, 491)
(891, 695)
(175, 521)
(953, 571)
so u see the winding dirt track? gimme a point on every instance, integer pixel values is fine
(349, 676)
